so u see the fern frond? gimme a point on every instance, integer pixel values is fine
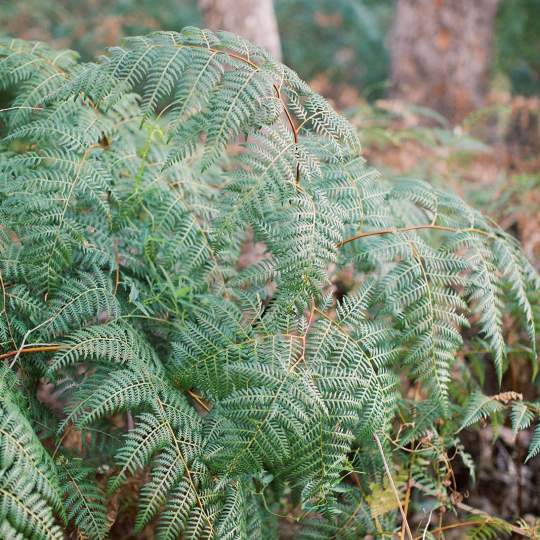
(480, 406)
(84, 500)
(490, 528)
(521, 416)
(485, 291)
(534, 446)
(30, 493)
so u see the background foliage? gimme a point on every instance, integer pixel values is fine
(343, 40)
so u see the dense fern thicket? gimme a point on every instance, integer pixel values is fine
(139, 348)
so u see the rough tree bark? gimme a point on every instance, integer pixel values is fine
(252, 19)
(441, 53)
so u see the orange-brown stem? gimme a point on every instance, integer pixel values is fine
(453, 526)
(44, 348)
(199, 400)
(294, 130)
(394, 230)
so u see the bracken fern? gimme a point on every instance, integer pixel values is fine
(130, 190)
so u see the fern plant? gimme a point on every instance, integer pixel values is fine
(229, 393)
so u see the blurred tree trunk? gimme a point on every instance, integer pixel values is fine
(441, 52)
(252, 19)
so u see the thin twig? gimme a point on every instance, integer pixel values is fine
(22, 107)
(480, 513)
(393, 486)
(452, 526)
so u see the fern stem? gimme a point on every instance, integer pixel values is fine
(395, 230)
(188, 472)
(253, 65)
(199, 400)
(294, 129)
(45, 348)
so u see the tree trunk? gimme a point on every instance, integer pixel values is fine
(441, 51)
(253, 19)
